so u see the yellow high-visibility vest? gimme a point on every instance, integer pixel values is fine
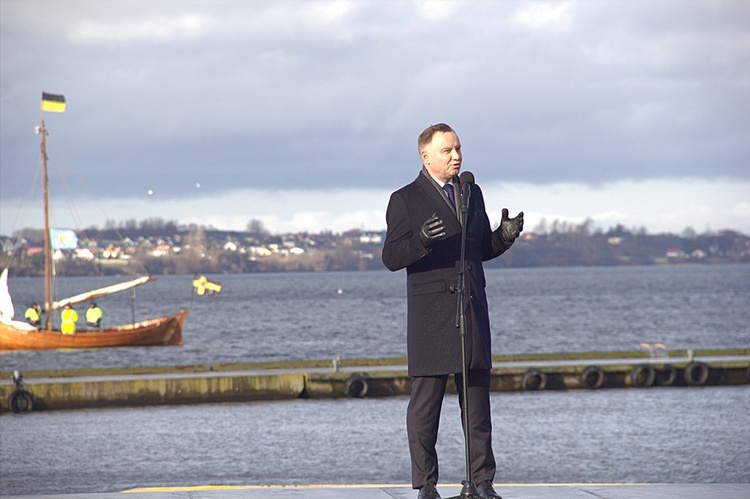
(69, 319)
(32, 315)
(93, 315)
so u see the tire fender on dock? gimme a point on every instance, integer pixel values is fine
(642, 376)
(696, 374)
(666, 376)
(592, 377)
(533, 380)
(20, 401)
(356, 386)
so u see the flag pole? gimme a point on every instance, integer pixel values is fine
(54, 103)
(47, 243)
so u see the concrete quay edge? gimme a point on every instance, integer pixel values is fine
(395, 491)
(121, 387)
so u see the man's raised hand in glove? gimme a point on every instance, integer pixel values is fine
(510, 228)
(432, 230)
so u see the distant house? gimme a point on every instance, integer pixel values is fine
(370, 238)
(162, 250)
(675, 253)
(260, 251)
(111, 252)
(84, 254)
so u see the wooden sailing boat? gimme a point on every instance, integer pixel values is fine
(19, 335)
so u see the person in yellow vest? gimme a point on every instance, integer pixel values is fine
(69, 319)
(93, 317)
(34, 315)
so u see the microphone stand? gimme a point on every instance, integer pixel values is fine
(469, 489)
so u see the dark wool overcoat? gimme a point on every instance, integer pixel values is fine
(433, 340)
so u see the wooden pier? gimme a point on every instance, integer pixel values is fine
(339, 378)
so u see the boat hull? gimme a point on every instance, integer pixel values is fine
(161, 331)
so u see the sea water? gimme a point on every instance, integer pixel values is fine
(303, 316)
(619, 435)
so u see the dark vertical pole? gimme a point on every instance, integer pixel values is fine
(47, 243)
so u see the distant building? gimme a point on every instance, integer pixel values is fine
(675, 253)
(370, 238)
(162, 250)
(84, 254)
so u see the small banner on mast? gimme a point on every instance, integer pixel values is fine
(63, 239)
(53, 103)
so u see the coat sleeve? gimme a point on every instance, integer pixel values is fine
(402, 246)
(497, 245)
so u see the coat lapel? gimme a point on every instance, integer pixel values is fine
(438, 200)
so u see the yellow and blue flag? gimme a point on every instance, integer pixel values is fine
(63, 239)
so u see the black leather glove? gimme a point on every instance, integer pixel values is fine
(432, 230)
(510, 228)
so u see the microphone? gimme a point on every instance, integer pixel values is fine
(466, 180)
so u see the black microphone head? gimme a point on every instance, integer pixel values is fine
(466, 178)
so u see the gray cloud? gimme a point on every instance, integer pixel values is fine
(314, 94)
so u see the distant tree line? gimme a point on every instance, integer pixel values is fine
(564, 244)
(200, 249)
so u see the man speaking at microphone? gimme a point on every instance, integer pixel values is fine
(424, 236)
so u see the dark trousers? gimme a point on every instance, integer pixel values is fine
(423, 419)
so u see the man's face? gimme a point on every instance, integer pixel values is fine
(442, 156)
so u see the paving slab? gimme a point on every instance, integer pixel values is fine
(385, 491)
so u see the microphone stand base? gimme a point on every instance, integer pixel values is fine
(468, 491)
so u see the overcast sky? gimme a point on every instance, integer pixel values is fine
(305, 115)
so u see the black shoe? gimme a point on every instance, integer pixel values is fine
(428, 492)
(486, 491)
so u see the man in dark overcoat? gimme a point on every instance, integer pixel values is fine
(424, 236)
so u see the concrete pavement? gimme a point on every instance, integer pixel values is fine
(372, 491)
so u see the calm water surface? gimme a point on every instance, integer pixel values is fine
(650, 435)
(298, 316)
(682, 435)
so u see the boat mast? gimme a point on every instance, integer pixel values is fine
(47, 244)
